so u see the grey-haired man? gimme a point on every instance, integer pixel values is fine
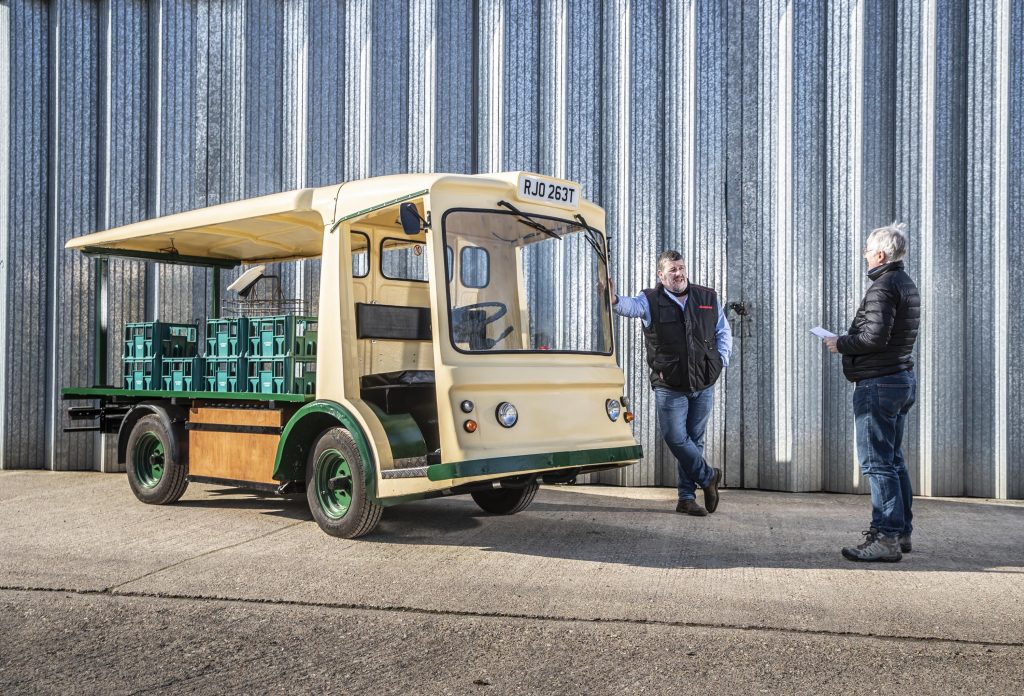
(877, 356)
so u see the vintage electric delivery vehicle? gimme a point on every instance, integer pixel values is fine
(446, 354)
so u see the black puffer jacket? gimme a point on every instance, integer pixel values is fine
(881, 337)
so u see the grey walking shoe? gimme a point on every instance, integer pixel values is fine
(905, 545)
(711, 492)
(690, 507)
(875, 547)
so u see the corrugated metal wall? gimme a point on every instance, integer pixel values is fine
(763, 139)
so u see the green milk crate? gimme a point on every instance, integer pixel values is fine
(227, 338)
(282, 375)
(181, 374)
(227, 375)
(156, 339)
(141, 375)
(287, 336)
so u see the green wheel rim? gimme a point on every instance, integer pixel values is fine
(331, 465)
(148, 460)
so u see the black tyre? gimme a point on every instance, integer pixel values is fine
(336, 487)
(157, 468)
(506, 501)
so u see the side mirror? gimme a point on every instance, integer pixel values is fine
(412, 223)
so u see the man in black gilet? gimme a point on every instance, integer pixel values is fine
(688, 345)
(877, 356)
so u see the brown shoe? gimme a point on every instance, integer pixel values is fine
(711, 492)
(690, 507)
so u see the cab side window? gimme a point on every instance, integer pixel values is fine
(403, 260)
(360, 255)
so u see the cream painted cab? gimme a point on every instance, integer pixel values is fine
(464, 346)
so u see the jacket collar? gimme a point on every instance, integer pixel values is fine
(878, 271)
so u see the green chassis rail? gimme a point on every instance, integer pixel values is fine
(142, 394)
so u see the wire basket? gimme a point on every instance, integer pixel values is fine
(265, 300)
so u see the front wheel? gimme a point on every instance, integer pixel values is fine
(336, 487)
(506, 501)
(156, 472)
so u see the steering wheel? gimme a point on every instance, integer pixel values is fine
(469, 324)
(500, 306)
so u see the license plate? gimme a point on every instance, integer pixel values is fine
(561, 194)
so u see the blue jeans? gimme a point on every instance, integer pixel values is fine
(683, 418)
(880, 405)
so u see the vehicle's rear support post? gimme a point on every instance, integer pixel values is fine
(215, 294)
(100, 311)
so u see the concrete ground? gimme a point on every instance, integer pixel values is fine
(590, 590)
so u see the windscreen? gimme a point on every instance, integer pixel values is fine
(519, 283)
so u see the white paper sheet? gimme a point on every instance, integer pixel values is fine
(822, 333)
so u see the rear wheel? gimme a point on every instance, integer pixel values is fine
(336, 487)
(156, 473)
(506, 501)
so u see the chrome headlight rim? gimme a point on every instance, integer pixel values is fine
(506, 414)
(613, 409)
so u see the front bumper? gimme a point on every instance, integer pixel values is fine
(498, 466)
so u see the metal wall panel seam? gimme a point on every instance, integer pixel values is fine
(709, 183)
(490, 99)
(614, 194)
(74, 212)
(5, 119)
(676, 208)
(986, 167)
(53, 180)
(1002, 256)
(458, 81)
(294, 104)
(583, 152)
(1015, 233)
(807, 215)
(782, 329)
(647, 232)
(390, 62)
(356, 119)
(843, 274)
(105, 39)
(28, 278)
(750, 205)
(422, 98)
(734, 39)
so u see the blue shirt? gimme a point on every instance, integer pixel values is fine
(639, 307)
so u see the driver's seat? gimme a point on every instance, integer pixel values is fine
(470, 326)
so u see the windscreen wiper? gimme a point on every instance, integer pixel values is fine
(529, 221)
(592, 236)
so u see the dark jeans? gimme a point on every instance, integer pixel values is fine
(880, 405)
(683, 418)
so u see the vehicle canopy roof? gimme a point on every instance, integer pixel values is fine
(279, 227)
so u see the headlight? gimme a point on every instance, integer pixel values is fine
(466, 406)
(506, 414)
(614, 408)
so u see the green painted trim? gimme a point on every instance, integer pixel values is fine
(174, 259)
(532, 462)
(404, 436)
(93, 392)
(385, 204)
(347, 421)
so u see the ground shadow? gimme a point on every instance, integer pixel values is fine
(290, 507)
(751, 529)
